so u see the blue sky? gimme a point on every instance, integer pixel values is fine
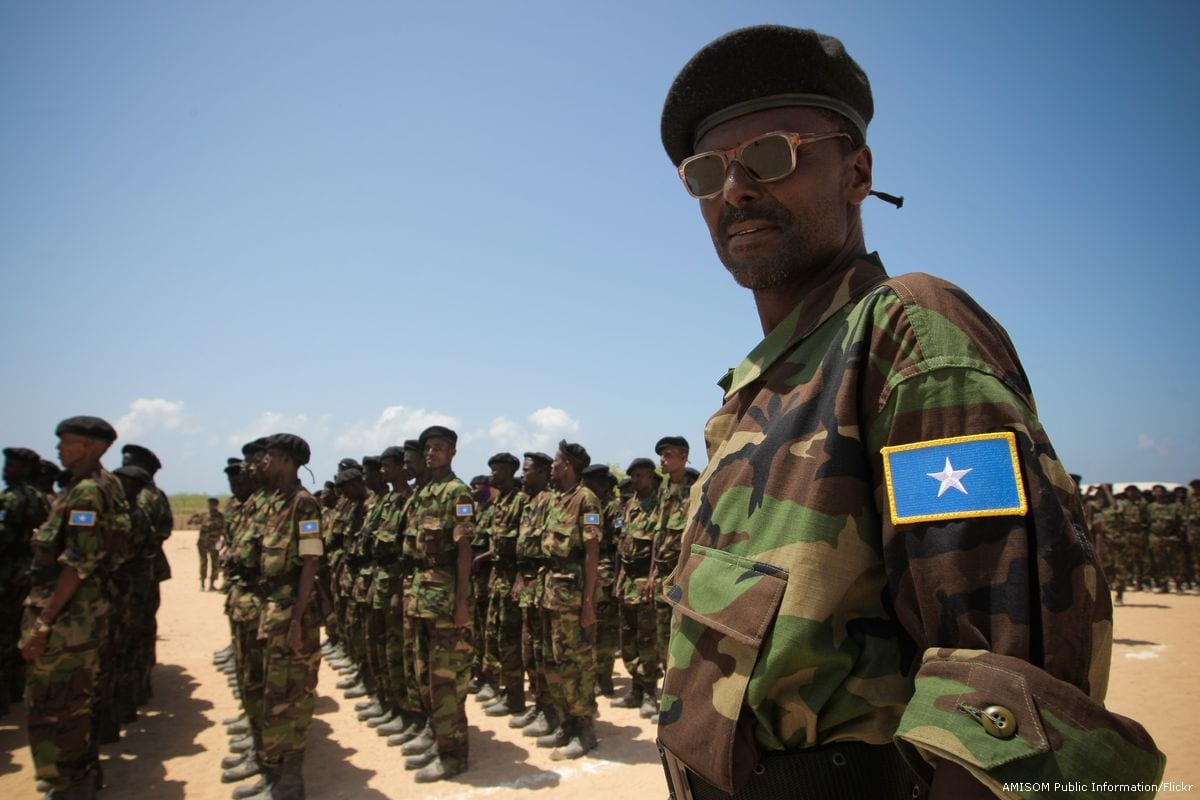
(350, 221)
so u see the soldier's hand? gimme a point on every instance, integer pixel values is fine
(587, 614)
(397, 606)
(34, 648)
(295, 635)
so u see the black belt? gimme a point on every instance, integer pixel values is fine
(838, 771)
(433, 562)
(643, 563)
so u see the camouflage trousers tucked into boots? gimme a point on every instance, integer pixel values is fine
(248, 651)
(639, 642)
(289, 689)
(443, 669)
(502, 650)
(570, 665)
(534, 654)
(399, 651)
(60, 691)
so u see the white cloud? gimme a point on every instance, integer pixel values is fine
(548, 425)
(1144, 442)
(393, 426)
(267, 423)
(147, 415)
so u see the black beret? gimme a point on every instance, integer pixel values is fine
(91, 427)
(393, 452)
(671, 441)
(213, 500)
(626, 484)
(250, 450)
(438, 432)
(540, 458)
(413, 445)
(504, 458)
(481, 479)
(347, 463)
(691, 472)
(372, 461)
(765, 66)
(232, 460)
(639, 463)
(576, 454)
(233, 468)
(296, 448)
(133, 471)
(346, 475)
(49, 468)
(599, 471)
(22, 454)
(142, 455)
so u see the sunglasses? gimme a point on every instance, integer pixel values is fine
(767, 158)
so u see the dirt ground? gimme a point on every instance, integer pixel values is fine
(174, 749)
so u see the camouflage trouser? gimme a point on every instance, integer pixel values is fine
(443, 668)
(402, 694)
(375, 633)
(248, 650)
(107, 628)
(208, 555)
(607, 632)
(59, 695)
(1136, 558)
(12, 667)
(479, 620)
(143, 602)
(1168, 554)
(502, 650)
(570, 668)
(289, 689)
(533, 654)
(662, 616)
(360, 612)
(639, 642)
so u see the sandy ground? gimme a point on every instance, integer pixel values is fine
(174, 749)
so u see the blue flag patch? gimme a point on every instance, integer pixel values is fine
(310, 526)
(3, 516)
(464, 510)
(83, 519)
(956, 478)
(620, 523)
(591, 519)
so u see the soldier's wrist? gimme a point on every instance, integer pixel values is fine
(41, 627)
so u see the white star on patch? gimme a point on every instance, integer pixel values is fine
(950, 478)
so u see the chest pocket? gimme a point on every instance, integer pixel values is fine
(432, 536)
(277, 545)
(562, 539)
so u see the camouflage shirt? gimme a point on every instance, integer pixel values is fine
(529, 547)
(387, 541)
(503, 518)
(244, 603)
(636, 547)
(22, 509)
(672, 514)
(1165, 520)
(157, 508)
(212, 530)
(442, 514)
(574, 518)
(808, 610)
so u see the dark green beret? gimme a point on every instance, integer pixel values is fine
(296, 448)
(600, 471)
(251, 450)
(639, 463)
(137, 454)
(372, 461)
(438, 432)
(413, 445)
(233, 467)
(395, 453)
(504, 458)
(765, 66)
(232, 460)
(22, 454)
(91, 427)
(671, 441)
(348, 463)
(540, 458)
(576, 454)
(49, 468)
(133, 471)
(344, 476)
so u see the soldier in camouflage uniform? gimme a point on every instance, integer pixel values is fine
(639, 647)
(1192, 527)
(289, 625)
(1164, 521)
(527, 591)
(1129, 522)
(208, 542)
(673, 495)
(153, 501)
(439, 603)
(59, 637)
(883, 546)
(571, 559)
(22, 509)
(132, 579)
(502, 648)
(481, 685)
(600, 480)
(342, 523)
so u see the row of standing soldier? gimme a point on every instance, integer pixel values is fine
(80, 570)
(431, 587)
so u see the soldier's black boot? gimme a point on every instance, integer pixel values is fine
(604, 681)
(560, 735)
(416, 726)
(526, 719)
(632, 698)
(583, 741)
(420, 743)
(440, 768)
(262, 789)
(547, 721)
(247, 769)
(649, 705)
(422, 759)
(290, 785)
(513, 703)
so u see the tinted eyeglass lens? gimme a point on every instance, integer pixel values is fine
(705, 175)
(768, 158)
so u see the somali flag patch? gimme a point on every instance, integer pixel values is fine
(591, 519)
(956, 478)
(310, 526)
(464, 510)
(82, 519)
(620, 523)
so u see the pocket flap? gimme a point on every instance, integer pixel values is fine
(729, 593)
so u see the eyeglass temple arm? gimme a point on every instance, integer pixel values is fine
(897, 201)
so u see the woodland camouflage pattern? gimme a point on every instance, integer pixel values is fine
(803, 615)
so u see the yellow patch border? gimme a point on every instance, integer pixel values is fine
(301, 523)
(1008, 436)
(71, 518)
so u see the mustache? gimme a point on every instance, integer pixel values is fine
(777, 215)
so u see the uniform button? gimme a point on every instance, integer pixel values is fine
(998, 721)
